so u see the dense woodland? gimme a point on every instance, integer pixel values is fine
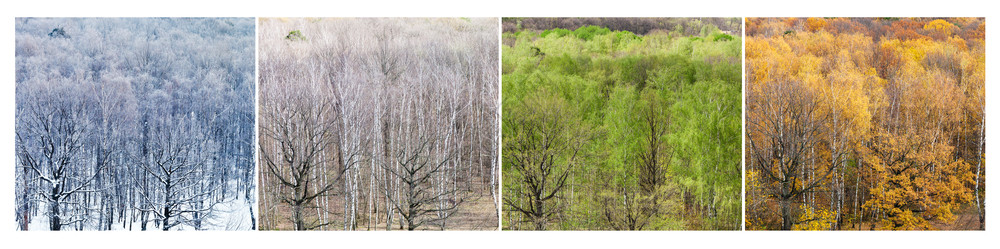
(865, 123)
(134, 124)
(638, 26)
(379, 124)
(608, 130)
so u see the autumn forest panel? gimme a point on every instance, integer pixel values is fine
(865, 123)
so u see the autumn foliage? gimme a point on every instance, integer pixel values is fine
(864, 123)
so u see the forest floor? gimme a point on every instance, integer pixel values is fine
(967, 218)
(232, 214)
(477, 212)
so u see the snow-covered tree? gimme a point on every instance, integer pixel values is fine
(127, 121)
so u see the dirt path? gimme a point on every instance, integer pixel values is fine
(965, 219)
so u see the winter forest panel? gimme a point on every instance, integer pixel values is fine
(135, 124)
(379, 124)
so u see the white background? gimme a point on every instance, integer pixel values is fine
(9, 238)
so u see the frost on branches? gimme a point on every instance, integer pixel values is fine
(134, 124)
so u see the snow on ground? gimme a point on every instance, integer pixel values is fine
(230, 215)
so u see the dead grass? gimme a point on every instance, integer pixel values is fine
(477, 213)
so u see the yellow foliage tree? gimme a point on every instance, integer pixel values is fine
(941, 28)
(814, 24)
(845, 129)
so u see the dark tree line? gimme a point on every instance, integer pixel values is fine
(639, 26)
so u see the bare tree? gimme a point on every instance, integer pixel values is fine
(302, 131)
(51, 139)
(424, 155)
(177, 162)
(781, 135)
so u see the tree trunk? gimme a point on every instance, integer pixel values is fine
(253, 219)
(55, 224)
(145, 219)
(348, 192)
(786, 214)
(166, 203)
(297, 216)
(539, 213)
(979, 170)
(166, 217)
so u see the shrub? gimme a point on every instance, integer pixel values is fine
(295, 35)
(588, 32)
(558, 32)
(721, 37)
